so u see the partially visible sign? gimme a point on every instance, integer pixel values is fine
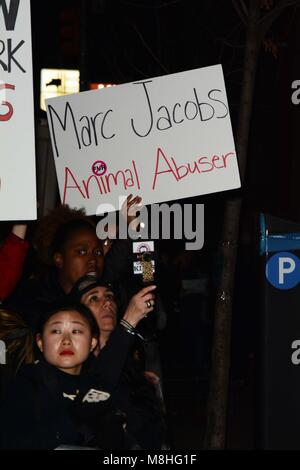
(163, 138)
(2, 352)
(143, 247)
(17, 147)
(283, 270)
(138, 267)
(276, 321)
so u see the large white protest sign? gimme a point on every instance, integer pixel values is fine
(17, 147)
(164, 138)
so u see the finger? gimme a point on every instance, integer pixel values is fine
(152, 377)
(126, 201)
(148, 308)
(147, 289)
(139, 200)
(149, 303)
(135, 200)
(149, 297)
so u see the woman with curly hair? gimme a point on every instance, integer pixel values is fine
(53, 402)
(67, 244)
(68, 248)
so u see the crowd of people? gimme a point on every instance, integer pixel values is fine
(76, 370)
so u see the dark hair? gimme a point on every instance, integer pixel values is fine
(85, 284)
(17, 337)
(65, 233)
(50, 225)
(68, 305)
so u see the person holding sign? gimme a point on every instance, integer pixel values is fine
(68, 248)
(12, 255)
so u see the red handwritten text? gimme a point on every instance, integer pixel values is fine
(201, 165)
(127, 178)
(8, 115)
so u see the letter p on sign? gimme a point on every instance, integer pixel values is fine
(286, 266)
(283, 270)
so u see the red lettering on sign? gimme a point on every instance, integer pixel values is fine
(8, 115)
(68, 173)
(179, 172)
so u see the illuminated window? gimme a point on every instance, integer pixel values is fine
(58, 82)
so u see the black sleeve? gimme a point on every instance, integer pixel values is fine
(20, 427)
(110, 362)
(117, 261)
(16, 418)
(29, 416)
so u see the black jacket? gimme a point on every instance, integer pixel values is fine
(123, 376)
(45, 407)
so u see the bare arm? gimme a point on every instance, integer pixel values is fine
(19, 230)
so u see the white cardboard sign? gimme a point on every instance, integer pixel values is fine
(17, 146)
(163, 138)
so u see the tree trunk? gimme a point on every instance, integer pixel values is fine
(215, 437)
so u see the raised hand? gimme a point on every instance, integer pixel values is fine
(130, 207)
(140, 305)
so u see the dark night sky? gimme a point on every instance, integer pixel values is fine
(128, 40)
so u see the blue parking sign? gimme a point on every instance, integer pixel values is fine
(283, 270)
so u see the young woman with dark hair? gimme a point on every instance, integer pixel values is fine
(54, 402)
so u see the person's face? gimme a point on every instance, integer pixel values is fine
(66, 341)
(101, 302)
(81, 255)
